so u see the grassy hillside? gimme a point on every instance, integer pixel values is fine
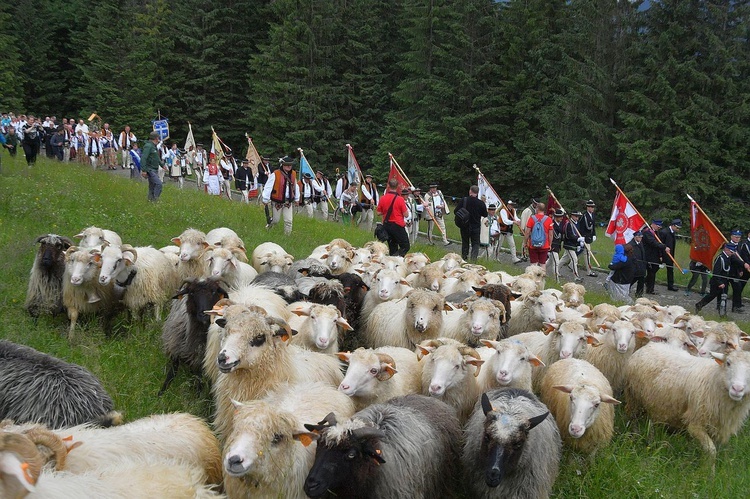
(644, 460)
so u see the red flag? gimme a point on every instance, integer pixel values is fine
(394, 173)
(624, 221)
(706, 237)
(552, 205)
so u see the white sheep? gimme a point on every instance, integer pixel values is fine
(321, 250)
(377, 249)
(339, 260)
(563, 341)
(707, 397)
(81, 291)
(429, 277)
(602, 313)
(94, 237)
(192, 244)
(507, 364)
(385, 285)
(535, 273)
(415, 262)
(672, 336)
(533, 311)
(393, 263)
(449, 372)
(223, 263)
(228, 239)
(255, 358)
(318, 327)
(271, 257)
(405, 322)
(361, 255)
(580, 398)
(214, 236)
(269, 452)
(481, 319)
(465, 281)
(573, 294)
(611, 357)
(720, 338)
(172, 252)
(144, 276)
(451, 261)
(374, 376)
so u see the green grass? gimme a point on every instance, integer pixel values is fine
(643, 460)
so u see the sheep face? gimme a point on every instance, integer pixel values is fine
(451, 261)
(482, 314)
(573, 294)
(512, 361)
(623, 336)
(447, 366)
(424, 311)
(571, 338)
(505, 436)
(192, 243)
(386, 283)
(324, 322)
(544, 305)
(338, 260)
(432, 277)
(247, 338)
(719, 340)
(344, 456)
(416, 262)
(736, 366)
(672, 336)
(201, 296)
(361, 255)
(275, 262)
(114, 260)
(221, 262)
(584, 406)
(83, 266)
(366, 369)
(51, 250)
(262, 437)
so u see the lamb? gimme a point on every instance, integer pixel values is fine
(507, 364)
(574, 390)
(535, 309)
(38, 388)
(271, 257)
(192, 244)
(387, 285)
(405, 322)
(415, 262)
(512, 447)
(82, 293)
(382, 448)
(224, 264)
(255, 358)
(44, 293)
(23, 474)
(375, 376)
(482, 319)
(573, 294)
(269, 432)
(94, 237)
(706, 397)
(558, 341)
(143, 275)
(184, 333)
(611, 357)
(449, 372)
(319, 329)
(429, 277)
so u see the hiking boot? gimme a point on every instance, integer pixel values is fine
(698, 307)
(592, 274)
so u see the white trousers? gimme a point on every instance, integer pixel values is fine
(570, 256)
(285, 212)
(507, 237)
(431, 225)
(365, 221)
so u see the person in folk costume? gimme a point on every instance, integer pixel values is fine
(507, 219)
(492, 227)
(348, 203)
(264, 170)
(135, 160)
(414, 205)
(435, 204)
(572, 244)
(126, 141)
(67, 138)
(163, 151)
(80, 141)
(282, 192)
(243, 179)
(368, 200)
(109, 147)
(186, 170)
(200, 160)
(211, 178)
(322, 194)
(410, 209)
(558, 233)
(587, 228)
(306, 194)
(173, 163)
(94, 149)
(227, 168)
(342, 184)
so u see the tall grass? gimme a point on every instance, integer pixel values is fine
(644, 460)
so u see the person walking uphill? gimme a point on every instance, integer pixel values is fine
(470, 232)
(151, 163)
(393, 208)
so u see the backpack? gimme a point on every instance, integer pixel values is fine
(538, 234)
(462, 216)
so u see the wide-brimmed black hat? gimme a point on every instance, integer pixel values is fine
(559, 212)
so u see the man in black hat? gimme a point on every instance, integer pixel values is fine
(720, 278)
(281, 192)
(435, 210)
(199, 159)
(668, 236)
(243, 179)
(415, 206)
(639, 255)
(471, 232)
(655, 251)
(322, 193)
(558, 232)
(740, 269)
(368, 200)
(306, 193)
(587, 228)
(572, 244)
(506, 220)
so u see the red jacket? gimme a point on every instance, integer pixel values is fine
(399, 208)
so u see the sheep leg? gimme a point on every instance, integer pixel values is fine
(700, 434)
(107, 323)
(73, 317)
(172, 367)
(157, 312)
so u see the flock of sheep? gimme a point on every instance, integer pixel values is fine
(349, 373)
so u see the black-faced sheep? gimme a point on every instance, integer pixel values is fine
(512, 447)
(38, 388)
(44, 294)
(406, 447)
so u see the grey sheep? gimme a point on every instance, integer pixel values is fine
(406, 447)
(44, 294)
(38, 388)
(512, 447)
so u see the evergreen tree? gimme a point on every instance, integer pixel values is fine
(10, 64)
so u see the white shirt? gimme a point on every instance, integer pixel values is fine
(82, 127)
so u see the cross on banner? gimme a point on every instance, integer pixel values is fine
(162, 126)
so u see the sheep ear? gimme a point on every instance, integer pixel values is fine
(535, 361)
(221, 322)
(478, 291)
(344, 324)
(610, 400)
(490, 343)
(698, 334)
(720, 358)
(564, 388)
(206, 245)
(305, 438)
(591, 340)
(301, 312)
(79, 235)
(175, 240)
(344, 356)
(549, 327)
(424, 351)
(486, 406)
(12, 466)
(639, 333)
(537, 419)
(96, 257)
(588, 315)
(386, 372)
(476, 363)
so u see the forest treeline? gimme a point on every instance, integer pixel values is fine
(536, 92)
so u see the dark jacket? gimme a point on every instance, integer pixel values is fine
(654, 249)
(722, 266)
(624, 271)
(587, 226)
(639, 258)
(150, 158)
(477, 210)
(570, 235)
(558, 229)
(669, 239)
(243, 178)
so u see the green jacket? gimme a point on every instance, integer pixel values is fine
(150, 158)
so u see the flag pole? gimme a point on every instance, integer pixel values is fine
(429, 211)
(671, 256)
(585, 244)
(502, 203)
(707, 217)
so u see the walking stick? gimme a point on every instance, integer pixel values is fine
(578, 233)
(429, 211)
